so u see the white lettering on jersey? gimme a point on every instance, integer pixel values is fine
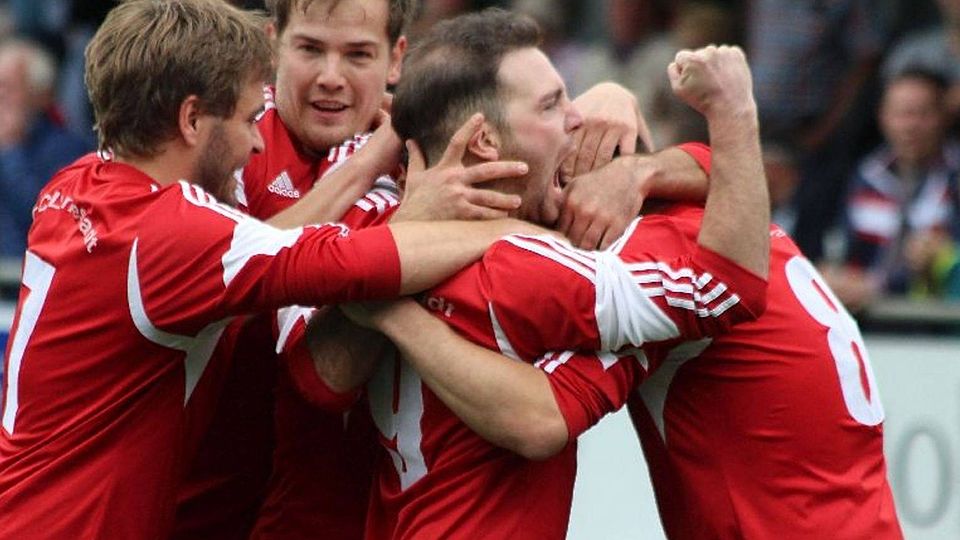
(282, 185)
(57, 201)
(198, 348)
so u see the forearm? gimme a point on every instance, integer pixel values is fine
(507, 402)
(344, 354)
(330, 198)
(671, 174)
(737, 218)
(433, 251)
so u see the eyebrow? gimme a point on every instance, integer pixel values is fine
(351, 44)
(555, 95)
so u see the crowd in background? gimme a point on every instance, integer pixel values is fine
(859, 103)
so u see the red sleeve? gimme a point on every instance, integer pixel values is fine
(659, 285)
(230, 264)
(700, 152)
(588, 386)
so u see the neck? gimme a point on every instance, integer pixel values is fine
(165, 168)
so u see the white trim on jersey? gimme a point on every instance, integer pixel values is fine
(552, 249)
(251, 238)
(552, 360)
(654, 390)
(382, 195)
(287, 318)
(238, 189)
(198, 349)
(618, 245)
(625, 313)
(503, 342)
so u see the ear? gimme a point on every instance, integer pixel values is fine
(484, 144)
(271, 30)
(189, 120)
(396, 60)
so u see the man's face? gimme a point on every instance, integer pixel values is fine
(229, 143)
(541, 122)
(913, 120)
(333, 68)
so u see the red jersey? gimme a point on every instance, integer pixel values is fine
(528, 296)
(773, 430)
(127, 288)
(326, 445)
(238, 469)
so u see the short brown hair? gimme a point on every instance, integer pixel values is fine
(452, 73)
(150, 55)
(401, 12)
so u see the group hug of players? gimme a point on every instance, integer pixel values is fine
(193, 356)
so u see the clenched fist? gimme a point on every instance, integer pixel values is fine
(713, 80)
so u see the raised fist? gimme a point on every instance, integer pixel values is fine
(713, 80)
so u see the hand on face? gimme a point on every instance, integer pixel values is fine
(599, 206)
(713, 80)
(611, 119)
(446, 190)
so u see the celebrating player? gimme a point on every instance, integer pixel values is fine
(132, 272)
(772, 430)
(532, 295)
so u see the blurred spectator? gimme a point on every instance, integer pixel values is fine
(811, 62)
(434, 11)
(902, 206)
(632, 26)
(555, 23)
(936, 49)
(696, 24)
(32, 145)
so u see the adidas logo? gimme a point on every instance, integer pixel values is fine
(283, 186)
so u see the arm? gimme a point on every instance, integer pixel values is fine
(717, 83)
(505, 401)
(599, 205)
(612, 123)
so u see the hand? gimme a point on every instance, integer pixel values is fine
(600, 205)
(376, 315)
(713, 80)
(921, 249)
(446, 190)
(611, 120)
(383, 147)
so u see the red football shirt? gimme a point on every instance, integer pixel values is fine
(238, 468)
(126, 291)
(527, 296)
(773, 430)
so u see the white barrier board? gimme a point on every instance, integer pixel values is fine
(919, 381)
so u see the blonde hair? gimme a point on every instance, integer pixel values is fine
(148, 56)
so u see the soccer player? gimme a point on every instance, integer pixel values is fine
(772, 430)
(132, 272)
(531, 295)
(321, 162)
